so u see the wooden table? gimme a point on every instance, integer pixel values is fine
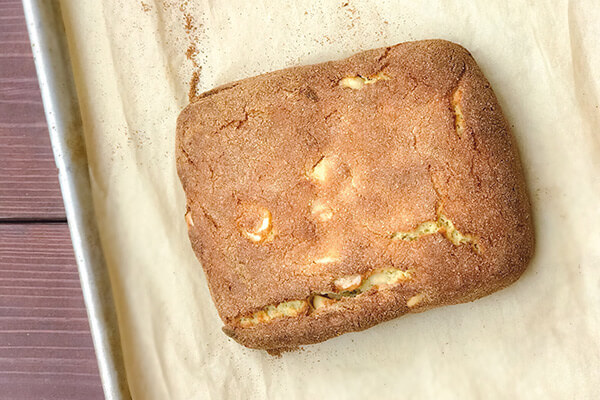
(46, 349)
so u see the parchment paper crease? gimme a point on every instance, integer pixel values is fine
(537, 339)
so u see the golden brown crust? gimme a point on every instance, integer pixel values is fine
(299, 177)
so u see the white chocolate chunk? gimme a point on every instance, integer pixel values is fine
(357, 82)
(348, 283)
(188, 219)
(416, 299)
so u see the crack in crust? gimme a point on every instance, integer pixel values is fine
(442, 225)
(455, 100)
(459, 119)
(318, 301)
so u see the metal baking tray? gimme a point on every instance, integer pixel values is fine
(53, 65)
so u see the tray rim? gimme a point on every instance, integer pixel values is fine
(59, 96)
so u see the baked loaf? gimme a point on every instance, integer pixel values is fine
(328, 198)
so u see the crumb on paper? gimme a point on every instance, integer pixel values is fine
(193, 93)
(192, 53)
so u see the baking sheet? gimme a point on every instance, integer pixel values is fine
(55, 77)
(133, 62)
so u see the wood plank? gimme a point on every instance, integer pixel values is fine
(28, 176)
(46, 349)
(16, 386)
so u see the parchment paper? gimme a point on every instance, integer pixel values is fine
(537, 339)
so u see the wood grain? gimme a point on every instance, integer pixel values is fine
(28, 176)
(46, 349)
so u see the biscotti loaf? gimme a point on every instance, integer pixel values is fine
(328, 198)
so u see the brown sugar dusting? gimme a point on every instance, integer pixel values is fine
(146, 7)
(351, 14)
(193, 93)
(191, 53)
(189, 23)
